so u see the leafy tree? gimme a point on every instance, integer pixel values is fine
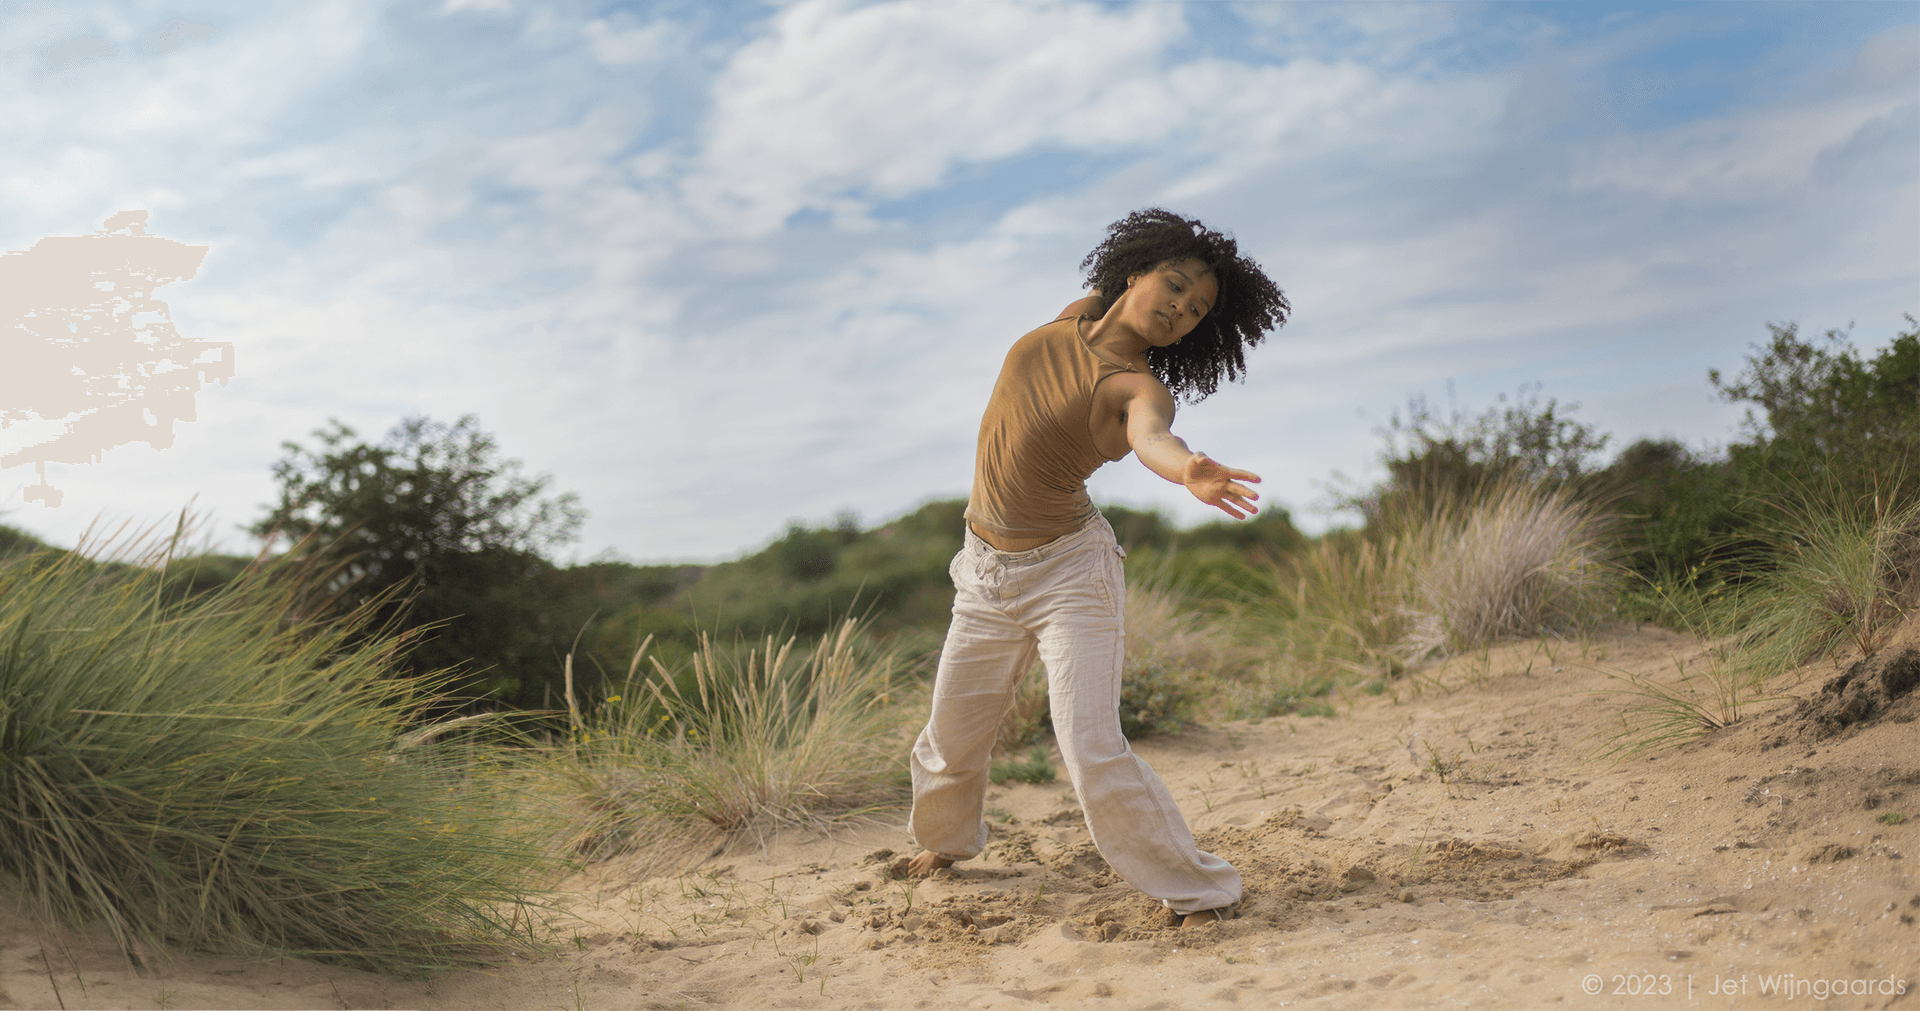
(1827, 428)
(1836, 424)
(432, 528)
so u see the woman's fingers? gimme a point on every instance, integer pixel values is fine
(1234, 504)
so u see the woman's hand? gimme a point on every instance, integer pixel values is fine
(1215, 484)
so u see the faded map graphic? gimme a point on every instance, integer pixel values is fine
(89, 359)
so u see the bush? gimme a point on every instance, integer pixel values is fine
(803, 582)
(218, 773)
(1155, 698)
(1683, 514)
(1435, 462)
(1832, 428)
(1337, 612)
(1029, 716)
(1833, 420)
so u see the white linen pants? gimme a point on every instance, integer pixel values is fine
(1063, 602)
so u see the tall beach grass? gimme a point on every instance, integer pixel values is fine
(223, 774)
(1837, 575)
(744, 741)
(1441, 578)
(1526, 558)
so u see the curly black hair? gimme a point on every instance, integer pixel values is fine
(1249, 304)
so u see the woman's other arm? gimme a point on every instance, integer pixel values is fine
(1092, 305)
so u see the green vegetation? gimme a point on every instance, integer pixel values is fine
(752, 739)
(1154, 698)
(430, 530)
(234, 752)
(1037, 767)
(224, 772)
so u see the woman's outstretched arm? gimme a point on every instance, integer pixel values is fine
(1150, 433)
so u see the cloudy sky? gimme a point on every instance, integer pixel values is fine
(719, 266)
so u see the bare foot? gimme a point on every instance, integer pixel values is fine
(921, 866)
(1203, 916)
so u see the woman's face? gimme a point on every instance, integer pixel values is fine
(1167, 302)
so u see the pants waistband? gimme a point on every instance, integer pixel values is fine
(1053, 548)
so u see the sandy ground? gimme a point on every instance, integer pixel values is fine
(1452, 843)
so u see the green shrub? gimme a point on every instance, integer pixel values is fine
(1155, 698)
(1684, 515)
(1037, 767)
(221, 774)
(1435, 462)
(432, 529)
(1833, 420)
(1029, 715)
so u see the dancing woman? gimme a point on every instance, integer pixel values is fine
(1173, 309)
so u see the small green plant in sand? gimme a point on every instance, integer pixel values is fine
(1892, 818)
(1037, 767)
(746, 741)
(1443, 768)
(221, 773)
(1656, 714)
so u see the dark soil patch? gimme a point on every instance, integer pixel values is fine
(1877, 687)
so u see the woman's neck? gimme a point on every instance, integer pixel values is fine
(1117, 341)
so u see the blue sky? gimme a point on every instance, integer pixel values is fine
(719, 266)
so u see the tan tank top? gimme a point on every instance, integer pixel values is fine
(1036, 439)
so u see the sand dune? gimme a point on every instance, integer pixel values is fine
(1454, 842)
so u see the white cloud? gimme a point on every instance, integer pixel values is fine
(578, 230)
(619, 40)
(883, 100)
(477, 6)
(1753, 156)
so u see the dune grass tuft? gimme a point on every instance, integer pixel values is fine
(1525, 559)
(1429, 582)
(745, 741)
(221, 774)
(1836, 576)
